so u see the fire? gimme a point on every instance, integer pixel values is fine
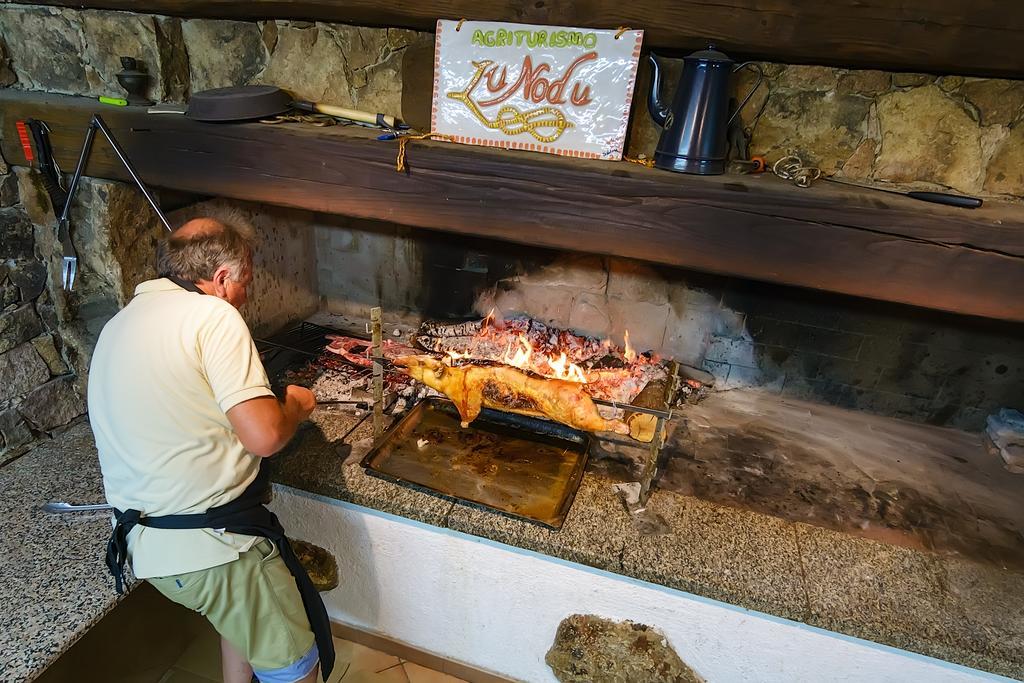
(630, 353)
(488, 321)
(521, 357)
(566, 370)
(525, 357)
(546, 357)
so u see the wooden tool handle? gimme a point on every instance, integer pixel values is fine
(350, 114)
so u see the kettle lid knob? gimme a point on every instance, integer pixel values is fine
(710, 54)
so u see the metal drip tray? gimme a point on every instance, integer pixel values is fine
(523, 466)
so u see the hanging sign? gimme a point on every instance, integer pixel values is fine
(542, 88)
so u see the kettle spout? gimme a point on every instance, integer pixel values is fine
(659, 112)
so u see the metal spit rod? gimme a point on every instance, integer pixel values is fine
(378, 372)
(663, 414)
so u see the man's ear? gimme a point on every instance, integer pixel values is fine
(220, 276)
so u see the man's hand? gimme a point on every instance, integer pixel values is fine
(264, 425)
(302, 398)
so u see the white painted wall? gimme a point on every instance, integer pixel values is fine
(497, 608)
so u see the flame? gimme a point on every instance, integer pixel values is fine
(542, 359)
(630, 353)
(566, 370)
(522, 355)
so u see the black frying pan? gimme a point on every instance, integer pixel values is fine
(249, 102)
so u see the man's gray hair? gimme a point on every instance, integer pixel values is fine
(198, 255)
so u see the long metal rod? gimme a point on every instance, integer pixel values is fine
(284, 347)
(378, 373)
(663, 414)
(99, 123)
(90, 135)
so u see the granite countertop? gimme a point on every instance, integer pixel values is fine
(55, 584)
(945, 607)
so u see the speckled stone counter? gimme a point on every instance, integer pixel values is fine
(947, 608)
(54, 584)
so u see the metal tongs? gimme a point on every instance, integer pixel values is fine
(69, 258)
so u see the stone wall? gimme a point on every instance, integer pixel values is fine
(888, 359)
(114, 233)
(76, 52)
(915, 130)
(362, 264)
(891, 360)
(38, 391)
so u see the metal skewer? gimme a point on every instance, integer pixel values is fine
(664, 414)
(57, 507)
(378, 373)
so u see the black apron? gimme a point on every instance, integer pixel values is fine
(245, 515)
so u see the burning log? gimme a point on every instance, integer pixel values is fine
(607, 372)
(472, 387)
(642, 426)
(488, 339)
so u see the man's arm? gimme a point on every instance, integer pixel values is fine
(264, 425)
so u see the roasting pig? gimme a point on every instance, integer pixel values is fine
(472, 386)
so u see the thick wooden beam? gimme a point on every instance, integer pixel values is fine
(828, 237)
(974, 37)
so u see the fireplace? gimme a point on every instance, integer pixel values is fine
(807, 406)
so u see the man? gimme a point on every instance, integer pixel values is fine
(183, 414)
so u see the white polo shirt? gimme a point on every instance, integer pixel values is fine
(165, 371)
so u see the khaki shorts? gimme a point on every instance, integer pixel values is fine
(254, 603)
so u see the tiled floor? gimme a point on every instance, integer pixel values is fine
(355, 663)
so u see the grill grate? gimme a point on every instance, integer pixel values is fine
(294, 347)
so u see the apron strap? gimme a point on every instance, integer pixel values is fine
(184, 284)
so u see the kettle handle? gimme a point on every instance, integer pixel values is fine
(760, 78)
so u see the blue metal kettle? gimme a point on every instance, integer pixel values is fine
(693, 136)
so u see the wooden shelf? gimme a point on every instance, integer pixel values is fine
(829, 237)
(938, 36)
